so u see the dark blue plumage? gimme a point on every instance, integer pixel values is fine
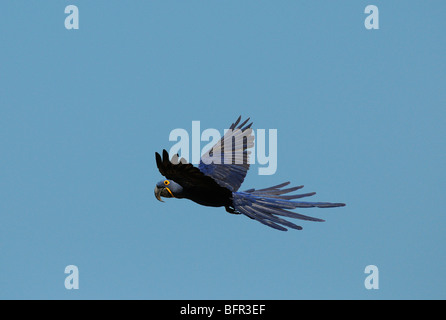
(229, 172)
(219, 175)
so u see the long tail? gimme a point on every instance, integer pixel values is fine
(266, 204)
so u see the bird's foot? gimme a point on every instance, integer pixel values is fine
(231, 210)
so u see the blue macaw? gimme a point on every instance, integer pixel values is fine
(216, 183)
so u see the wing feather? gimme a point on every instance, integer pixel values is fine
(227, 162)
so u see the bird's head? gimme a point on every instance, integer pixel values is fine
(167, 189)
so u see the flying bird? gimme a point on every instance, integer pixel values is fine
(219, 175)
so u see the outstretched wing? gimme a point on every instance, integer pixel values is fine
(182, 172)
(227, 162)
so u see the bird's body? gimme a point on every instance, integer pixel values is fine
(211, 197)
(216, 181)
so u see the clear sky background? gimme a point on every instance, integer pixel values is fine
(360, 116)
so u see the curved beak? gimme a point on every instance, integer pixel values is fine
(158, 193)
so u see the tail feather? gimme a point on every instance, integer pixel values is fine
(297, 196)
(268, 220)
(271, 217)
(265, 205)
(285, 213)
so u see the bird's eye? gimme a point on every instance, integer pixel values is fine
(166, 182)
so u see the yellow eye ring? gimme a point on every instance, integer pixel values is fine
(166, 182)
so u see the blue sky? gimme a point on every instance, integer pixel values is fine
(360, 116)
